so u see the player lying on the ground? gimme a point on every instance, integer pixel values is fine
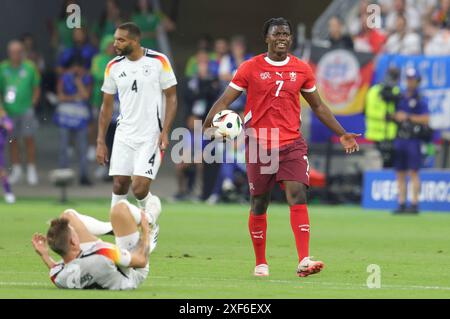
(90, 263)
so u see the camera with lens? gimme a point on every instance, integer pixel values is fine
(388, 93)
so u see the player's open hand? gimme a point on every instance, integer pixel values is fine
(102, 153)
(40, 244)
(348, 141)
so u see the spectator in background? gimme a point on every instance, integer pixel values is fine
(220, 50)
(186, 171)
(232, 174)
(229, 64)
(441, 15)
(354, 25)
(336, 36)
(423, 7)
(203, 44)
(6, 126)
(202, 88)
(148, 21)
(98, 66)
(403, 41)
(412, 110)
(368, 40)
(381, 101)
(72, 114)
(61, 35)
(201, 91)
(436, 40)
(31, 51)
(20, 93)
(81, 50)
(110, 19)
(400, 8)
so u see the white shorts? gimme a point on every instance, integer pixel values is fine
(142, 160)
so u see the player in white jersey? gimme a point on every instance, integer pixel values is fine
(141, 78)
(90, 263)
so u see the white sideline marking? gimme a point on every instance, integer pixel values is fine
(336, 284)
(301, 282)
(15, 283)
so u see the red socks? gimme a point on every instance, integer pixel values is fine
(257, 226)
(300, 227)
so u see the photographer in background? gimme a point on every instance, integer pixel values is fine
(381, 101)
(412, 118)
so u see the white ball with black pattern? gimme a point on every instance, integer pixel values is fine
(228, 123)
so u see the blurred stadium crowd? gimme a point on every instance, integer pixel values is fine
(68, 87)
(407, 27)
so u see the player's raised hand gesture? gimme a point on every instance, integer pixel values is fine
(40, 244)
(102, 153)
(348, 141)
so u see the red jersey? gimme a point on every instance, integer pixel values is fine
(273, 94)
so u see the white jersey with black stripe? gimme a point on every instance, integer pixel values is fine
(139, 85)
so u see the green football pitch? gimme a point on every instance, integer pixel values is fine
(205, 252)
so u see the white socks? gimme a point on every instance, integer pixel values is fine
(116, 198)
(32, 176)
(94, 226)
(142, 202)
(128, 242)
(135, 211)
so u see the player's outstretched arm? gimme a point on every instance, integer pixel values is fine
(171, 112)
(104, 119)
(139, 257)
(228, 97)
(348, 140)
(40, 246)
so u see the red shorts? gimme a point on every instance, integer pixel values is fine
(292, 166)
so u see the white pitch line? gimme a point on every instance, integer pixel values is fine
(332, 284)
(362, 286)
(13, 283)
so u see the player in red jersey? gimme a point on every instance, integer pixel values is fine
(274, 81)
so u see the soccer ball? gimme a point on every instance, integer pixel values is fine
(228, 123)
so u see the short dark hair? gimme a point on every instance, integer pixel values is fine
(58, 236)
(275, 22)
(132, 28)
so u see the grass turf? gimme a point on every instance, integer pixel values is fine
(205, 252)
